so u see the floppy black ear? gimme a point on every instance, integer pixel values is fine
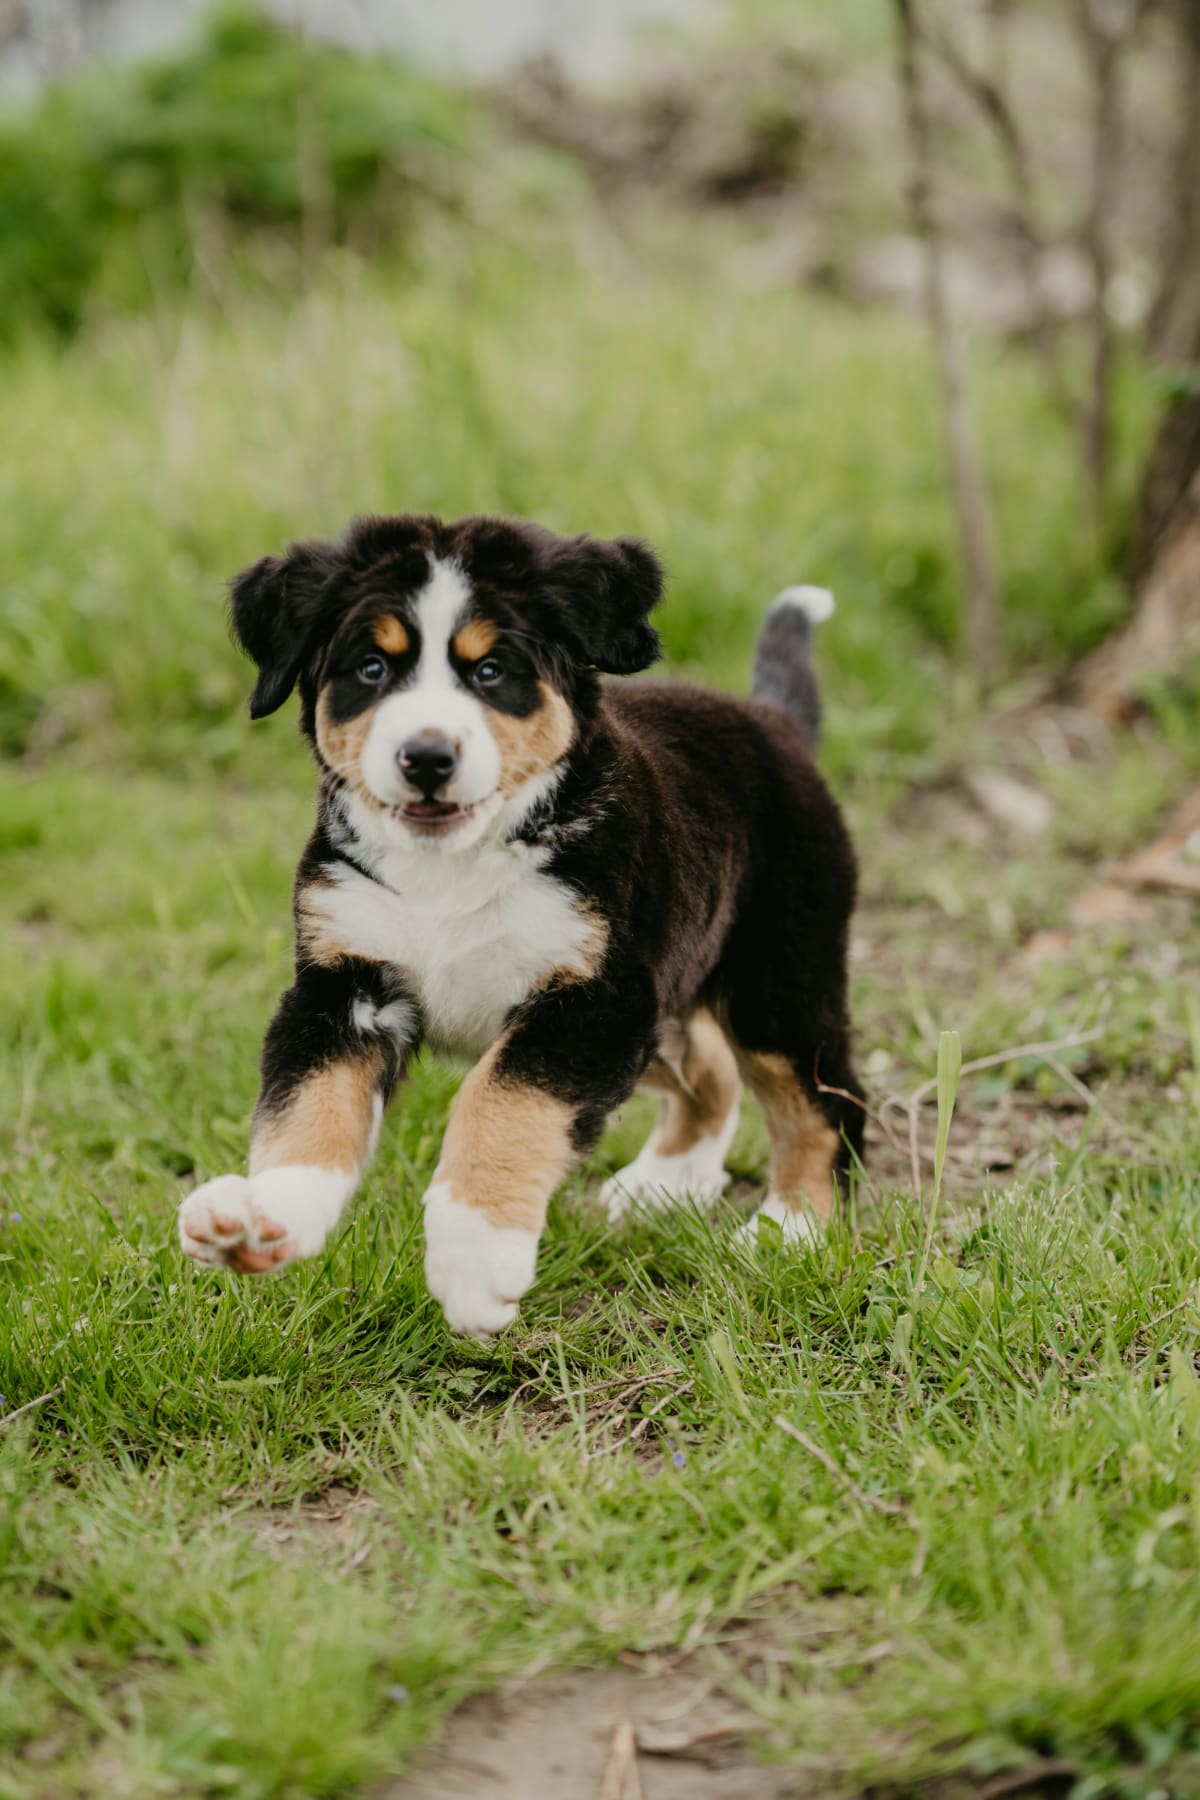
(277, 611)
(609, 587)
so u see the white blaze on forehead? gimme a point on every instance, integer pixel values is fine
(435, 702)
(439, 607)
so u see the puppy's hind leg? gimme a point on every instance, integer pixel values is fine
(784, 1002)
(806, 1149)
(684, 1157)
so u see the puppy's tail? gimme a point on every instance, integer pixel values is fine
(783, 672)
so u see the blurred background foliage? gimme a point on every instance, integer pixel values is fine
(115, 179)
(258, 284)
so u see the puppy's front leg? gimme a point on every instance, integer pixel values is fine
(336, 1046)
(524, 1116)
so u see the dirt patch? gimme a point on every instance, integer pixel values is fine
(612, 1732)
(340, 1526)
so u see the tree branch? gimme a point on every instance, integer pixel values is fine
(989, 95)
(1174, 327)
(971, 501)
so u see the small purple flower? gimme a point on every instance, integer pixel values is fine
(677, 1456)
(15, 1218)
(398, 1694)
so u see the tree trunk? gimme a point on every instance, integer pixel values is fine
(1103, 48)
(1175, 317)
(971, 502)
(1165, 626)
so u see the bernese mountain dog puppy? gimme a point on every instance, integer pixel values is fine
(584, 885)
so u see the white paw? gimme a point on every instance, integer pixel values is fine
(262, 1222)
(656, 1183)
(798, 1226)
(477, 1270)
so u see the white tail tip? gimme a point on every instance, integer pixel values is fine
(816, 603)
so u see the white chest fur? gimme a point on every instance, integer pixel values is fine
(472, 934)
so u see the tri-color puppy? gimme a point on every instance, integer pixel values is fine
(584, 885)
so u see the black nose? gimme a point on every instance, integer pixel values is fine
(428, 763)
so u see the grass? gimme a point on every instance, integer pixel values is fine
(608, 1478)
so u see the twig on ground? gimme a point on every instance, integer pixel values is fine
(1033, 1774)
(525, 1385)
(901, 1105)
(30, 1404)
(1160, 1320)
(877, 1119)
(892, 1507)
(621, 1764)
(648, 1417)
(629, 1387)
(702, 1743)
(599, 1387)
(1077, 1087)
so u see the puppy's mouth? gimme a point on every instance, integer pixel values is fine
(433, 818)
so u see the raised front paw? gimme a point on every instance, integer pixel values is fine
(477, 1270)
(256, 1224)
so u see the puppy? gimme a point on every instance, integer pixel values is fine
(583, 885)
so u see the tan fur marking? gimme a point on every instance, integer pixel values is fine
(316, 939)
(804, 1145)
(342, 744)
(699, 1105)
(390, 634)
(530, 746)
(475, 639)
(590, 956)
(327, 1121)
(507, 1147)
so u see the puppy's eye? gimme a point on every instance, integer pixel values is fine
(488, 672)
(373, 670)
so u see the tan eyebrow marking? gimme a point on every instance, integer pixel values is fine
(390, 635)
(475, 639)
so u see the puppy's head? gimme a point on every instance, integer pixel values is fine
(443, 667)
